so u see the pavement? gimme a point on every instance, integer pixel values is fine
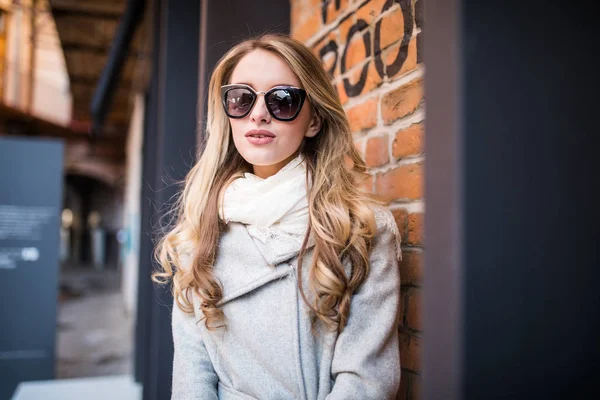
(94, 333)
(94, 343)
(114, 387)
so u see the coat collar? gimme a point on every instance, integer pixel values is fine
(275, 246)
(244, 263)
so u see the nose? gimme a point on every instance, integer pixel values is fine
(259, 111)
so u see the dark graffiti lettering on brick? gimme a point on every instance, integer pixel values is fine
(419, 23)
(355, 89)
(396, 65)
(324, 8)
(330, 47)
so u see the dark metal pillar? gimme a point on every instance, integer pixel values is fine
(169, 145)
(147, 213)
(110, 74)
(512, 307)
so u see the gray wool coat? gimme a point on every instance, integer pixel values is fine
(268, 350)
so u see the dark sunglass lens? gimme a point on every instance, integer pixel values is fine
(238, 101)
(284, 103)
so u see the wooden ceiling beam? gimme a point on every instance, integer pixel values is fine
(110, 149)
(83, 88)
(81, 63)
(116, 123)
(83, 81)
(99, 50)
(90, 48)
(82, 12)
(112, 129)
(107, 9)
(109, 173)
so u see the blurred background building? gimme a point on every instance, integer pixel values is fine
(123, 85)
(52, 55)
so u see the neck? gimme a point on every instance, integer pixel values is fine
(265, 171)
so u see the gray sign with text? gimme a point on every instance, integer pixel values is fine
(31, 176)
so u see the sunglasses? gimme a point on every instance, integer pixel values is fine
(283, 102)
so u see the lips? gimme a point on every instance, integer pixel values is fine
(259, 133)
(260, 136)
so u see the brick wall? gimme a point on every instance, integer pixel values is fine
(372, 50)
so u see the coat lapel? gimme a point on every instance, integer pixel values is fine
(274, 245)
(242, 266)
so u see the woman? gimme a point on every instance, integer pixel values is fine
(276, 188)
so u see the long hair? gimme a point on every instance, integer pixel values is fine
(340, 219)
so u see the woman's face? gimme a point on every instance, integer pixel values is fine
(262, 70)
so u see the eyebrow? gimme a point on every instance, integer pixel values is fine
(252, 86)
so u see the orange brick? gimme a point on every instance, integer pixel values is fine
(330, 55)
(404, 182)
(344, 27)
(316, 46)
(341, 92)
(410, 62)
(392, 28)
(363, 116)
(359, 145)
(332, 11)
(401, 217)
(413, 309)
(415, 229)
(377, 153)
(315, 51)
(370, 11)
(348, 161)
(411, 268)
(408, 141)
(308, 28)
(353, 79)
(367, 184)
(401, 101)
(312, 4)
(410, 351)
(297, 14)
(328, 62)
(355, 53)
(334, 35)
(373, 78)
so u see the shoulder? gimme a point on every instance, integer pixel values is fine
(383, 279)
(387, 233)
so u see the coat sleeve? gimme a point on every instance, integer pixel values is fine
(193, 375)
(366, 359)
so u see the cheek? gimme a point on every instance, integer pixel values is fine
(237, 127)
(237, 133)
(291, 133)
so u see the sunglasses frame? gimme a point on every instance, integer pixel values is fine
(226, 88)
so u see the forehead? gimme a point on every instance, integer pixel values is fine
(262, 70)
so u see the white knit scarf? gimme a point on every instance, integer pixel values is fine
(274, 210)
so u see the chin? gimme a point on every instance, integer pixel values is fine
(262, 158)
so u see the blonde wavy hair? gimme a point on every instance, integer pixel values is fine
(341, 221)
